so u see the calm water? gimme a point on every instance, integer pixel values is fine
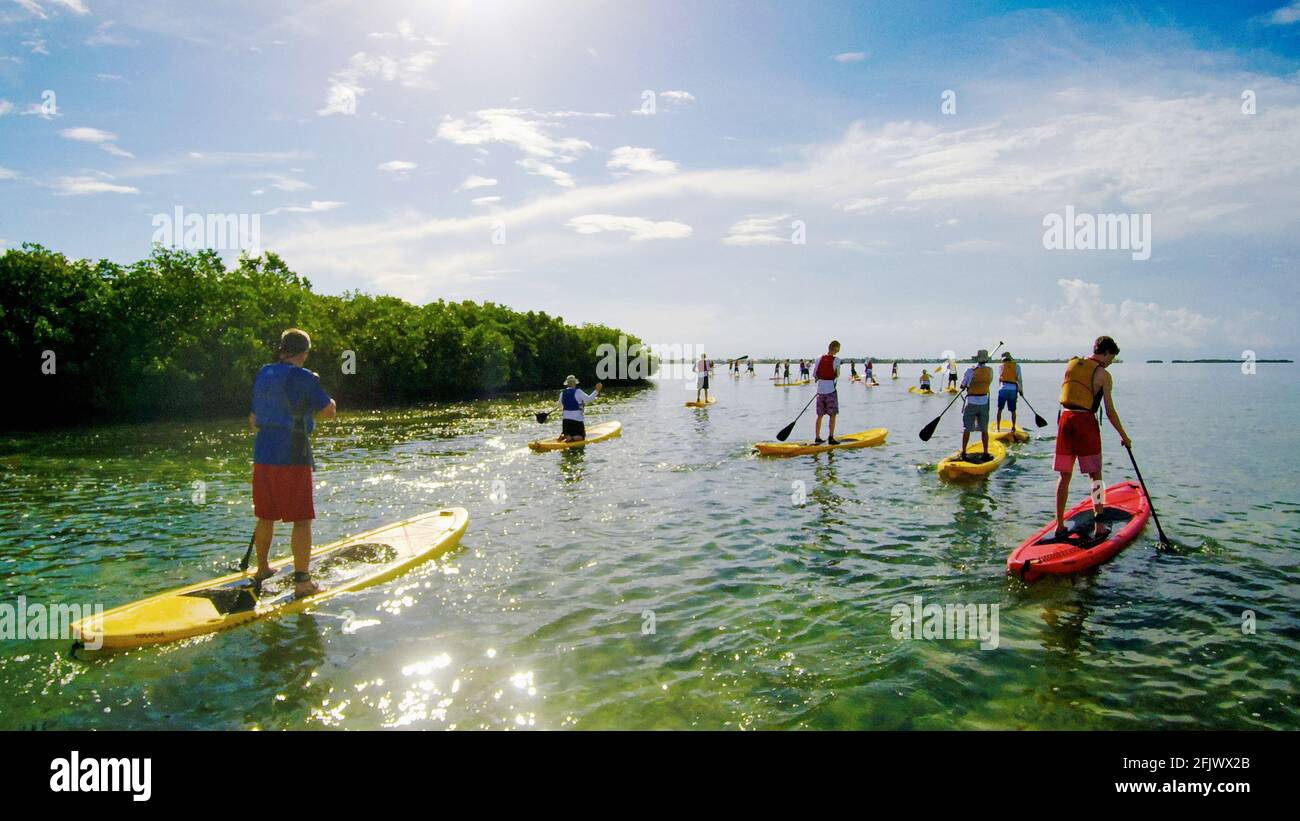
(767, 613)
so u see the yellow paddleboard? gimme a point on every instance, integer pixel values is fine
(207, 607)
(952, 467)
(916, 390)
(862, 439)
(703, 404)
(792, 384)
(1003, 433)
(595, 433)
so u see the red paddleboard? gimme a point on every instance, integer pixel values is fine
(1126, 513)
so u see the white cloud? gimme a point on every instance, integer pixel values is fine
(638, 229)
(104, 139)
(1084, 315)
(850, 57)
(76, 186)
(104, 36)
(1286, 15)
(315, 207)
(527, 131)
(757, 229)
(108, 78)
(37, 46)
(5, 107)
(676, 98)
(860, 203)
(7, 173)
(74, 6)
(413, 70)
(537, 168)
(397, 166)
(486, 200)
(33, 7)
(475, 181)
(628, 158)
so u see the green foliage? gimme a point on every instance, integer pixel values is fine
(178, 334)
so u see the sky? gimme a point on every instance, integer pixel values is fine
(750, 177)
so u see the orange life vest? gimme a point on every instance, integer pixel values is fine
(1078, 389)
(1008, 375)
(980, 380)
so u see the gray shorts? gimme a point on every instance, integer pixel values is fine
(975, 418)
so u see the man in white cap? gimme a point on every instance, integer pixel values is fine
(572, 399)
(975, 412)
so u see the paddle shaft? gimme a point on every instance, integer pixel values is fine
(248, 554)
(928, 430)
(1164, 540)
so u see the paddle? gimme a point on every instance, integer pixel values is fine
(928, 430)
(785, 431)
(248, 554)
(1164, 540)
(1038, 420)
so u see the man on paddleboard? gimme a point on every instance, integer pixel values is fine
(925, 380)
(1086, 385)
(828, 401)
(952, 373)
(286, 397)
(573, 425)
(975, 411)
(1012, 385)
(701, 378)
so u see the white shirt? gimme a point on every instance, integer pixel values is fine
(701, 366)
(583, 398)
(827, 385)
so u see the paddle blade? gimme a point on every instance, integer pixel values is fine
(541, 417)
(1040, 421)
(928, 430)
(785, 432)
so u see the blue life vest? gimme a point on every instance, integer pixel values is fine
(569, 399)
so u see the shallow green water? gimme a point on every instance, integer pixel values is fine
(767, 613)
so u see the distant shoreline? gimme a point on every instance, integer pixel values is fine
(878, 360)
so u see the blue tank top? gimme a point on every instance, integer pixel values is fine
(569, 399)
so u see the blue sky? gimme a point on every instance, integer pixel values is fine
(386, 145)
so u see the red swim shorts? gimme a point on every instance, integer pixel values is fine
(283, 493)
(828, 404)
(1077, 437)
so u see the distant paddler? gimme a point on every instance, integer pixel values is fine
(893, 374)
(286, 398)
(828, 404)
(573, 424)
(925, 380)
(951, 365)
(975, 412)
(1011, 385)
(1086, 385)
(867, 377)
(702, 378)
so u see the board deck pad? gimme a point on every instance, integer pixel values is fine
(336, 568)
(1079, 528)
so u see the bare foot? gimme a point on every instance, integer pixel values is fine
(263, 574)
(304, 589)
